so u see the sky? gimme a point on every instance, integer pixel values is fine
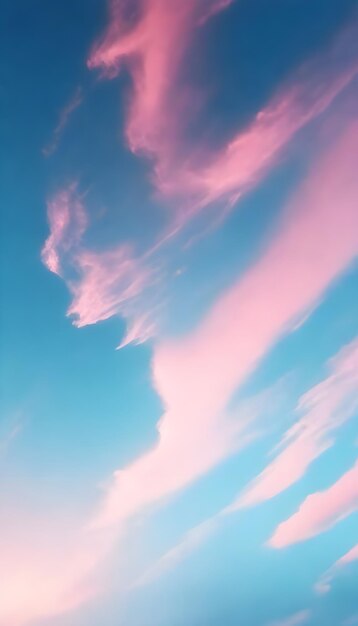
(179, 313)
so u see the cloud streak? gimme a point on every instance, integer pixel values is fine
(298, 618)
(64, 118)
(325, 408)
(320, 511)
(325, 582)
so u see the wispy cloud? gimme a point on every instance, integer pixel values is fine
(319, 511)
(153, 63)
(67, 221)
(190, 542)
(351, 621)
(241, 164)
(110, 283)
(325, 582)
(118, 281)
(10, 430)
(64, 117)
(159, 113)
(196, 375)
(298, 618)
(325, 408)
(102, 283)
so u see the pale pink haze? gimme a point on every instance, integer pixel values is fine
(325, 408)
(320, 511)
(197, 374)
(46, 568)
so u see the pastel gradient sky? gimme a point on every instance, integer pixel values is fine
(179, 313)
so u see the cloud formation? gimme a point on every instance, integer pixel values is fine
(159, 113)
(319, 511)
(196, 375)
(118, 281)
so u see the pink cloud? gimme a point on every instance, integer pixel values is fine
(325, 408)
(197, 374)
(325, 582)
(67, 221)
(102, 283)
(320, 511)
(252, 414)
(159, 112)
(110, 283)
(243, 162)
(116, 282)
(64, 117)
(349, 557)
(151, 45)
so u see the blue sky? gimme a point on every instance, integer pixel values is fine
(178, 374)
